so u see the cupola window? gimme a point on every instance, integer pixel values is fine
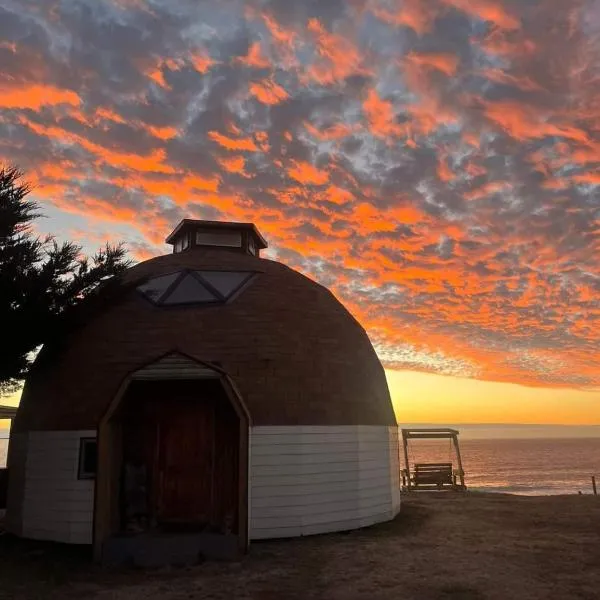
(230, 239)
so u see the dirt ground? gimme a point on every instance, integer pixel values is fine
(443, 546)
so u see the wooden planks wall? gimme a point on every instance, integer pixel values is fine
(56, 505)
(313, 479)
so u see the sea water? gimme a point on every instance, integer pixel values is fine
(534, 466)
(528, 466)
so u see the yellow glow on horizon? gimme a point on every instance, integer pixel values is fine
(12, 400)
(430, 398)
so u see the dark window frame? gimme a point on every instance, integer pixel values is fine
(81, 472)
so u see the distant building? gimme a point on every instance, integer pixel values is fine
(218, 398)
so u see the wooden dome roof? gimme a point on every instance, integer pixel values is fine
(295, 353)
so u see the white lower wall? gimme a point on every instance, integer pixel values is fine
(314, 479)
(56, 504)
(303, 480)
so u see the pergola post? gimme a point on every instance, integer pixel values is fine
(407, 469)
(461, 473)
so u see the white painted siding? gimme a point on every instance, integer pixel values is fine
(303, 480)
(315, 479)
(56, 504)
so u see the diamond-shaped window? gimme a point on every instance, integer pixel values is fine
(194, 287)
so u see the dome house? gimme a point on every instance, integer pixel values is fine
(219, 398)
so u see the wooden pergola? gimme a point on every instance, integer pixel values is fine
(437, 474)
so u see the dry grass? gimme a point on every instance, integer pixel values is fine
(443, 546)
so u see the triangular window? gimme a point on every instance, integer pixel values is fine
(225, 282)
(155, 288)
(194, 287)
(190, 291)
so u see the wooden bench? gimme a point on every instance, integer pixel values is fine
(433, 474)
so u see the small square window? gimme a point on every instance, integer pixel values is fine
(88, 458)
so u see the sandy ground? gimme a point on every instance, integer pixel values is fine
(443, 546)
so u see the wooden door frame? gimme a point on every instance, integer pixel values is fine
(106, 494)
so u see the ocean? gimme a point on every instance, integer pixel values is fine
(534, 466)
(527, 466)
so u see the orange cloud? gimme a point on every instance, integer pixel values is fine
(202, 62)
(35, 96)
(338, 195)
(380, 116)
(234, 164)
(338, 57)
(335, 132)
(526, 122)
(445, 173)
(155, 71)
(592, 178)
(283, 41)
(232, 143)
(255, 57)
(446, 63)
(491, 187)
(109, 115)
(415, 14)
(487, 10)
(268, 92)
(522, 82)
(153, 162)
(197, 183)
(156, 74)
(306, 173)
(163, 133)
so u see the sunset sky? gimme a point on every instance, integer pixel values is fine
(436, 163)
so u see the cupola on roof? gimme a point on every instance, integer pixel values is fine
(197, 233)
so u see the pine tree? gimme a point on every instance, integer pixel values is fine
(41, 281)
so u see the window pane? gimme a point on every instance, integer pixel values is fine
(156, 287)
(225, 282)
(189, 290)
(219, 238)
(88, 458)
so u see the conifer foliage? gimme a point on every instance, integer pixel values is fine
(41, 280)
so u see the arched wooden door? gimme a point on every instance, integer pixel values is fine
(184, 438)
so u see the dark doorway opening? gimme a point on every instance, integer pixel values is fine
(180, 458)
